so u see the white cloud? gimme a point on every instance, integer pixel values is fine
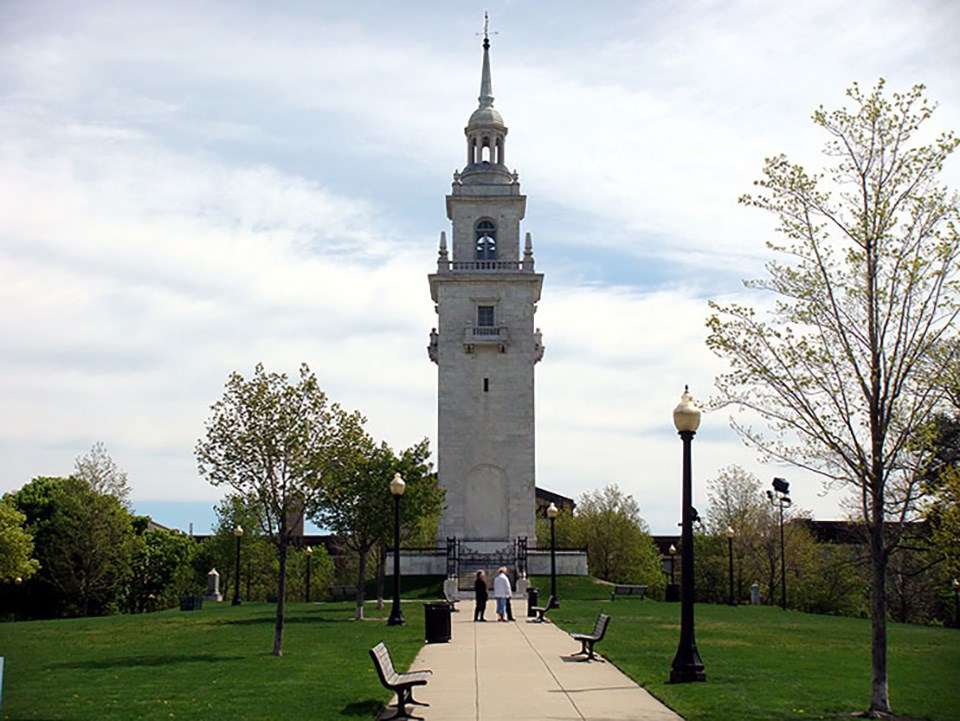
(187, 190)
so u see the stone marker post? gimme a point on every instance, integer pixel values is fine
(213, 586)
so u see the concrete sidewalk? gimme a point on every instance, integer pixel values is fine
(524, 671)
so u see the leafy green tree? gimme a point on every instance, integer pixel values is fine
(101, 473)
(321, 573)
(258, 556)
(837, 581)
(275, 443)
(88, 556)
(843, 367)
(619, 546)
(942, 486)
(356, 504)
(566, 529)
(821, 578)
(83, 543)
(159, 558)
(735, 500)
(16, 544)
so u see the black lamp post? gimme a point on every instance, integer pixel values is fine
(397, 487)
(18, 581)
(552, 513)
(956, 602)
(309, 551)
(687, 665)
(238, 532)
(779, 497)
(673, 565)
(730, 534)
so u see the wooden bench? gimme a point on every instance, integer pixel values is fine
(343, 592)
(587, 640)
(540, 611)
(400, 683)
(623, 590)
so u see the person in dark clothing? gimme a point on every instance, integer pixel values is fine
(480, 590)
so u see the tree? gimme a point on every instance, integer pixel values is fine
(275, 443)
(735, 500)
(258, 556)
(619, 546)
(83, 543)
(355, 502)
(159, 559)
(845, 368)
(99, 471)
(16, 544)
(942, 485)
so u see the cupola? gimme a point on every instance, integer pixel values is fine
(485, 131)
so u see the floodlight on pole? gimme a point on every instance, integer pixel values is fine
(778, 496)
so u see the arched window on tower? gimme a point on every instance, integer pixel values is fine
(486, 151)
(486, 234)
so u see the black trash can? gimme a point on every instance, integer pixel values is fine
(673, 591)
(191, 603)
(533, 595)
(437, 622)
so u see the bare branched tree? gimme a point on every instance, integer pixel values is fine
(849, 363)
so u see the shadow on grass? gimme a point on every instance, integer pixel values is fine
(165, 660)
(271, 620)
(367, 709)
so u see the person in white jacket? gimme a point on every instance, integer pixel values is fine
(502, 592)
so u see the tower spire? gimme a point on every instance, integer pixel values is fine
(486, 84)
(486, 133)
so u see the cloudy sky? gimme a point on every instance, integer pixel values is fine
(188, 188)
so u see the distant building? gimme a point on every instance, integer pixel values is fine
(544, 498)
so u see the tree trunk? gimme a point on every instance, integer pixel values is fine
(381, 575)
(361, 580)
(281, 591)
(879, 692)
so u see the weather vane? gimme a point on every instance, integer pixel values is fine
(486, 29)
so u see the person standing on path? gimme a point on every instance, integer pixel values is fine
(480, 591)
(502, 591)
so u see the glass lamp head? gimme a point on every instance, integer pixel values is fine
(686, 416)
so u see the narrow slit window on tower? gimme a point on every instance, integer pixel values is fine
(486, 235)
(486, 385)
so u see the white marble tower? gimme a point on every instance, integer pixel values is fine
(486, 344)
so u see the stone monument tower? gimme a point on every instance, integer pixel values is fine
(485, 344)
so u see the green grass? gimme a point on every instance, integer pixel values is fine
(211, 664)
(761, 663)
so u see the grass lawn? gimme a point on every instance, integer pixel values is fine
(761, 663)
(764, 663)
(207, 665)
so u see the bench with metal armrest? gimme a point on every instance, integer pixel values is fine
(588, 640)
(540, 611)
(400, 683)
